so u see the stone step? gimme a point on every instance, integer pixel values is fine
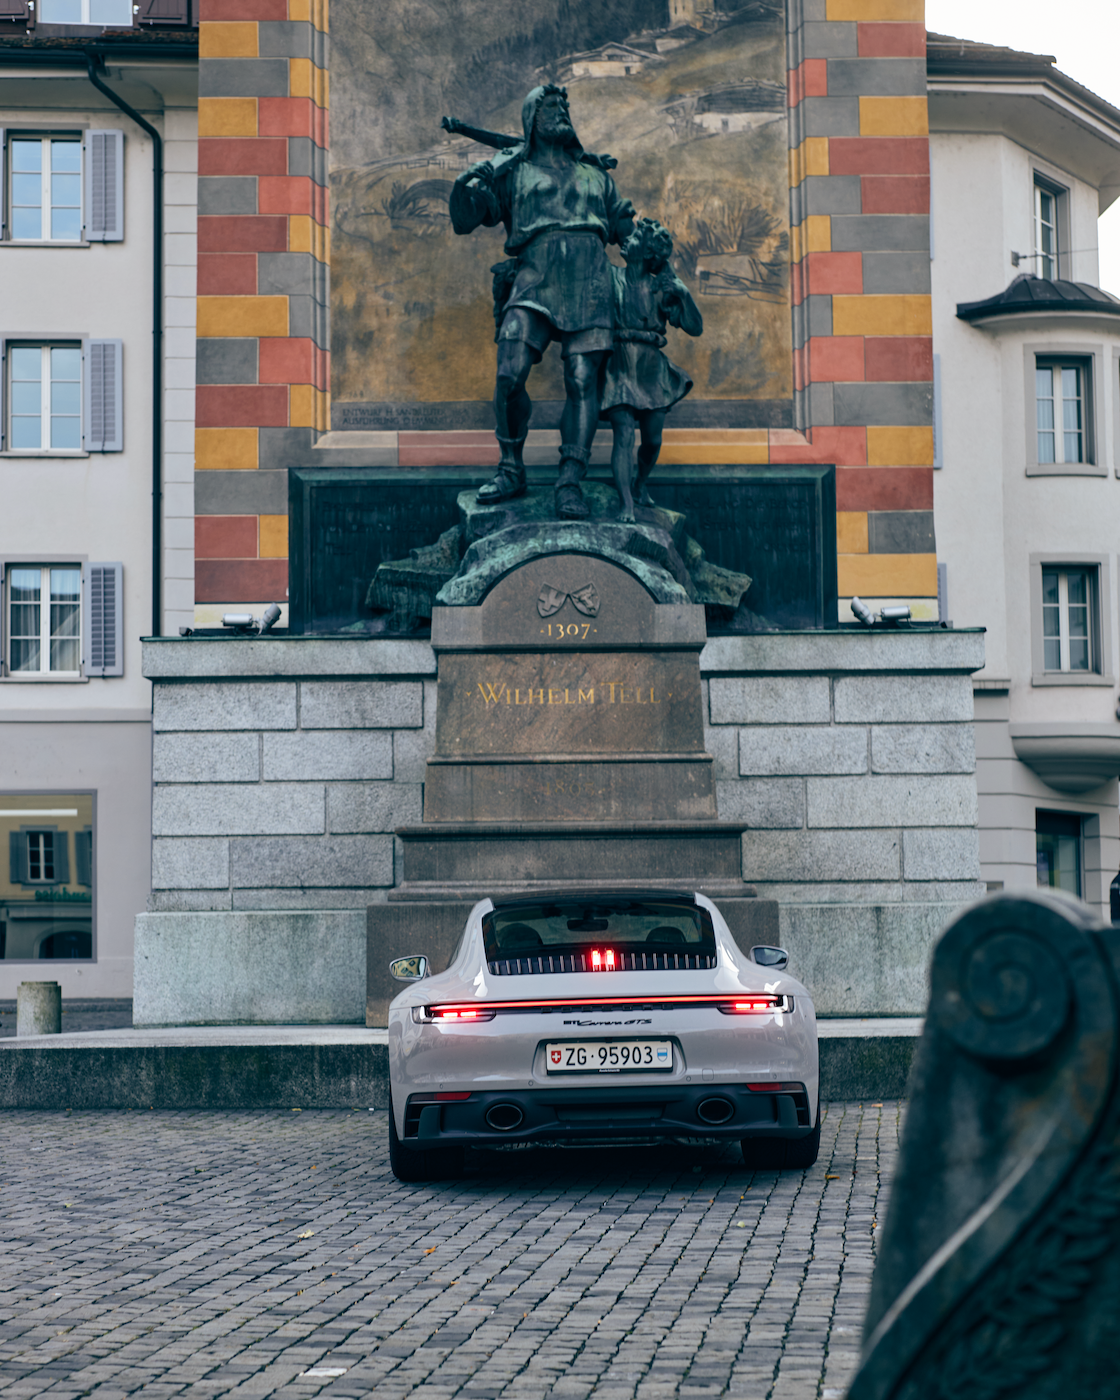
(255, 1067)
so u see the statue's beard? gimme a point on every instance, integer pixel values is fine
(556, 130)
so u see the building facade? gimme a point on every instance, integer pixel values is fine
(1027, 501)
(97, 265)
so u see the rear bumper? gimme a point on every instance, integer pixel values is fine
(602, 1114)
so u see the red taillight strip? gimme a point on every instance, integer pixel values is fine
(776, 1088)
(764, 1002)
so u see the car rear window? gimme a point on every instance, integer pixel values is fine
(610, 927)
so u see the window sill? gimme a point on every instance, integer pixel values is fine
(1066, 469)
(1071, 678)
(44, 678)
(44, 243)
(72, 454)
(39, 962)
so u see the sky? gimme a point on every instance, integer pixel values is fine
(1082, 35)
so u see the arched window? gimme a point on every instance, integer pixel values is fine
(69, 943)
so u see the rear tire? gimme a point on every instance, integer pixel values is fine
(429, 1164)
(803, 1153)
(778, 1154)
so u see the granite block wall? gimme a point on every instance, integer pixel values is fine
(283, 766)
(852, 757)
(858, 779)
(282, 790)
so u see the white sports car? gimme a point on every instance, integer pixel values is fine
(605, 1017)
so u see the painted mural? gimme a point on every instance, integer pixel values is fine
(690, 100)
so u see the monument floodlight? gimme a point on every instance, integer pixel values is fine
(247, 622)
(863, 612)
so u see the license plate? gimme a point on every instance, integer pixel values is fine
(607, 1056)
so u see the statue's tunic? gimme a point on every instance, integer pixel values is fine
(638, 375)
(560, 219)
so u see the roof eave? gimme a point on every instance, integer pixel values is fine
(1004, 316)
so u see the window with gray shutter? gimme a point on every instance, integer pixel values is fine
(164, 12)
(41, 855)
(104, 186)
(83, 856)
(104, 396)
(104, 608)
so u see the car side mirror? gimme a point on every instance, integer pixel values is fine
(409, 969)
(765, 956)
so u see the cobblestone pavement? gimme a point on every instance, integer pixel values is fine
(236, 1254)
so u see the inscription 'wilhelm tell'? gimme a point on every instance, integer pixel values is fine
(612, 693)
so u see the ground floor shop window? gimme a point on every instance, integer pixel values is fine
(1058, 851)
(47, 881)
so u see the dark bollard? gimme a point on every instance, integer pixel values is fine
(998, 1272)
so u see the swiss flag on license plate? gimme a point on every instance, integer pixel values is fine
(555, 1057)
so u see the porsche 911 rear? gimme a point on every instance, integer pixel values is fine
(601, 1018)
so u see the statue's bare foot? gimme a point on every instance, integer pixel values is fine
(508, 484)
(644, 498)
(570, 504)
(626, 517)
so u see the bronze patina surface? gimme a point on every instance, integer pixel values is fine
(998, 1274)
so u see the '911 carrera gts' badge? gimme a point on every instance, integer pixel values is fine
(585, 600)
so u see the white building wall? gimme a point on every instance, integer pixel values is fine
(991, 516)
(94, 734)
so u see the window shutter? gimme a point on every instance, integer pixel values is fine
(61, 856)
(3, 180)
(164, 12)
(15, 9)
(105, 186)
(83, 857)
(17, 854)
(104, 428)
(102, 623)
(3, 387)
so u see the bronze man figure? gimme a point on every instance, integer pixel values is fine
(560, 209)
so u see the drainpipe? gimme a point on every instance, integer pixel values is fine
(94, 61)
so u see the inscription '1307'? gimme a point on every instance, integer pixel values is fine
(612, 693)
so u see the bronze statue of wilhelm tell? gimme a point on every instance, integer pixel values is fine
(560, 209)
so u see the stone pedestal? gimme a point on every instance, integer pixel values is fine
(570, 738)
(39, 1008)
(569, 748)
(569, 695)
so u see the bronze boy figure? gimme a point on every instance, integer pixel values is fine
(560, 209)
(641, 383)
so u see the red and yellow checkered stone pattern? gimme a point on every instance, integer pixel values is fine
(263, 391)
(859, 273)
